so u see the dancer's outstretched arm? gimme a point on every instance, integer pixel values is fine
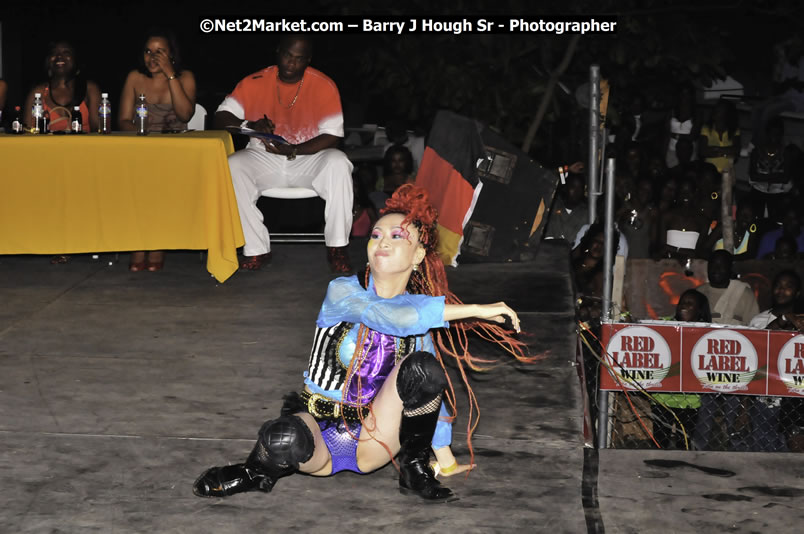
(492, 312)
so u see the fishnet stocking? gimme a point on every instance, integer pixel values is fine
(430, 407)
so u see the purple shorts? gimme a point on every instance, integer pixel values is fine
(341, 445)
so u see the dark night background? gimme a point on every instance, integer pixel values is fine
(498, 79)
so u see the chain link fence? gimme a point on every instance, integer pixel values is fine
(706, 422)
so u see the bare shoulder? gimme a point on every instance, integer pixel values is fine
(93, 90)
(134, 77)
(187, 80)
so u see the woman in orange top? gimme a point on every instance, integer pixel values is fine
(65, 88)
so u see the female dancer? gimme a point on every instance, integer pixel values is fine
(375, 380)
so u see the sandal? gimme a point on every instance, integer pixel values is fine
(255, 263)
(155, 260)
(137, 262)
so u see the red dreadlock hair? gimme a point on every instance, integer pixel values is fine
(431, 279)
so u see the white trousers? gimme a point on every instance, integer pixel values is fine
(328, 173)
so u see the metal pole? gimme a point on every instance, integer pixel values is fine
(594, 137)
(608, 266)
(602, 418)
(608, 235)
(602, 170)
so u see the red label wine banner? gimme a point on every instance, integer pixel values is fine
(700, 359)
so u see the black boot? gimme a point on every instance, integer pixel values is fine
(238, 478)
(420, 383)
(283, 444)
(416, 477)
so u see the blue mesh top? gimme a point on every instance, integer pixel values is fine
(403, 315)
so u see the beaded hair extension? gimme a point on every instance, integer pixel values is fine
(355, 364)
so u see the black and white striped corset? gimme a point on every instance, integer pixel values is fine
(325, 367)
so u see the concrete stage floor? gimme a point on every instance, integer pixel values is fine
(118, 389)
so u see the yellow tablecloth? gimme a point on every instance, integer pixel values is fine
(70, 194)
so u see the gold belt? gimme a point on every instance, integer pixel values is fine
(321, 407)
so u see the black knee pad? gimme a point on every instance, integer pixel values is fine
(287, 441)
(420, 380)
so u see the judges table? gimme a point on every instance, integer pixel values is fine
(71, 194)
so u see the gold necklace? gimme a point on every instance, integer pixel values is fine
(279, 99)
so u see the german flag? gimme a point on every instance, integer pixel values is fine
(448, 172)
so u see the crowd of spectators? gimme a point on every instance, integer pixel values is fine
(675, 211)
(669, 187)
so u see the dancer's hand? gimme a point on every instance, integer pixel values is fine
(498, 313)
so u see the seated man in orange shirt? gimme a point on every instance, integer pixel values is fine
(302, 105)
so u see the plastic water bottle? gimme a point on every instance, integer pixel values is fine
(38, 115)
(16, 124)
(105, 114)
(142, 115)
(77, 124)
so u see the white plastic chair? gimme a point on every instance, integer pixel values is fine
(199, 118)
